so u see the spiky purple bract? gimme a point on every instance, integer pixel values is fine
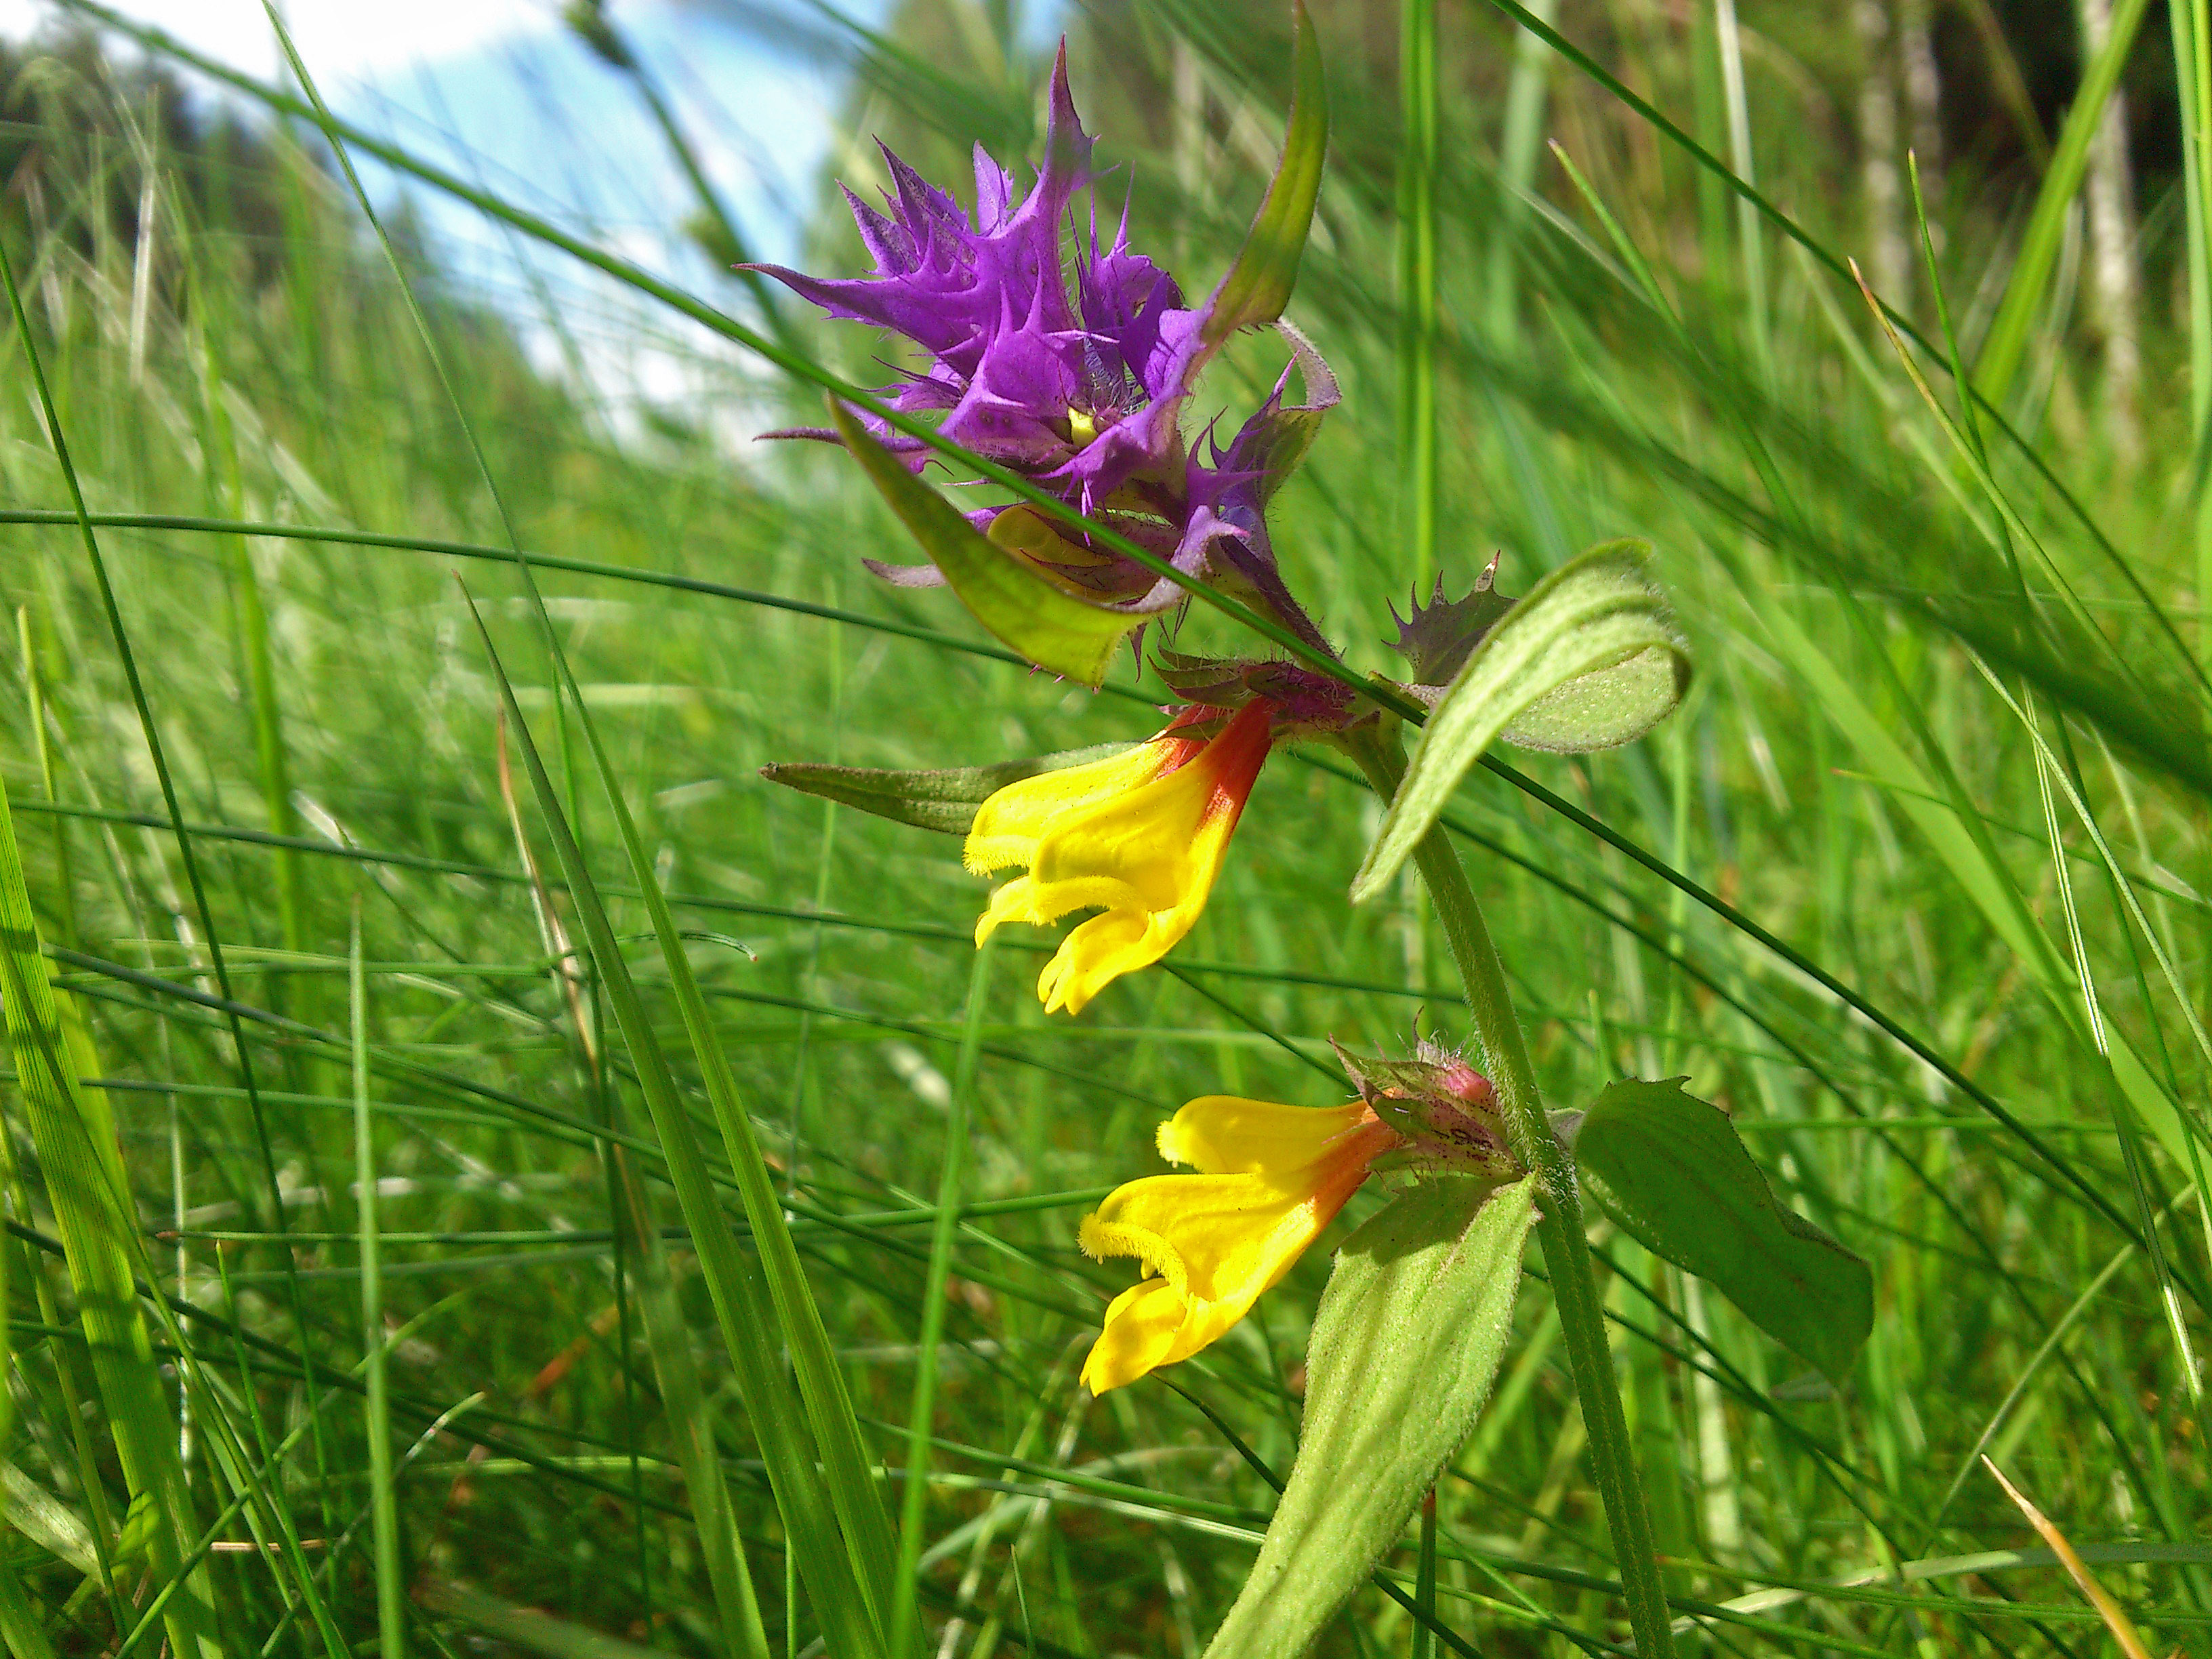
(1083, 397)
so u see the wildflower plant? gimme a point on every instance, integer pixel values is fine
(318, 1087)
(1058, 364)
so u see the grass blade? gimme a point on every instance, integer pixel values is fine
(20, 1629)
(853, 1585)
(923, 1414)
(1417, 284)
(76, 1143)
(2007, 341)
(749, 1315)
(691, 1420)
(2116, 1619)
(528, 1628)
(384, 1502)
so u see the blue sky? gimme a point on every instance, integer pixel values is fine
(501, 89)
(501, 93)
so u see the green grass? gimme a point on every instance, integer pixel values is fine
(1914, 884)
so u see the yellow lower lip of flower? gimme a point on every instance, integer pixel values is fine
(1140, 836)
(1271, 1178)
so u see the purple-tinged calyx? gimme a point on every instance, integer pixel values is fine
(1446, 1110)
(1308, 704)
(1083, 396)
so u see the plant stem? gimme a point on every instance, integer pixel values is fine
(1566, 1251)
(1425, 1583)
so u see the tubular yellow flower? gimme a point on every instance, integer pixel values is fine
(1140, 836)
(1270, 1179)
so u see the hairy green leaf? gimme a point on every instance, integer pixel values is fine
(944, 799)
(1049, 626)
(1589, 659)
(1669, 1168)
(1405, 1343)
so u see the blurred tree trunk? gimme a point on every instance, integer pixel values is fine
(2113, 279)
(1888, 260)
(1924, 97)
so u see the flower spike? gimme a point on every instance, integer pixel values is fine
(1083, 396)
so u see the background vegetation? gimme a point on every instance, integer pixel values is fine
(1914, 885)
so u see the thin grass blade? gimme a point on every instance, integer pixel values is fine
(751, 1317)
(85, 1182)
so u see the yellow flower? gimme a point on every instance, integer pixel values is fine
(1271, 1178)
(1140, 836)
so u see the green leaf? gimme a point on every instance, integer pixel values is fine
(1589, 659)
(1405, 1344)
(1259, 283)
(1669, 1168)
(944, 799)
(1049, 626)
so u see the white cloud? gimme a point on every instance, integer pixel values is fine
(341, 40)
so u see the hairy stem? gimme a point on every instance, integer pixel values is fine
(1566, 1251)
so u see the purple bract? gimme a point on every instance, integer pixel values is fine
(1083, 398)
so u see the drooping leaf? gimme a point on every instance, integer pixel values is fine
(1669, 1168)
(1590, 659)
(1049, 626)
(944, 799)
(1405, 1344)
(1605, 709)
(1258, 285)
